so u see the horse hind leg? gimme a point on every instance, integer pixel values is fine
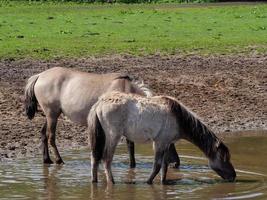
(46, 157)
(94, 169)
(107, 166)
(165, 164)
(51, 129)
(107, 160)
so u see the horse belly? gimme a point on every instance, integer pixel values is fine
(77, 100)
(77, 109)
(141, 137)
(77, 116)
(140, 131)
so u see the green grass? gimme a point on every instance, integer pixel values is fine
(50, 30)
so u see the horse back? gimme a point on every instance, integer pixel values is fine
(73, 93)
(138, 118)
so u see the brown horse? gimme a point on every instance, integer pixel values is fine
(160, 119)
(60, 90)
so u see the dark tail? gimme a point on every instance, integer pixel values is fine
(30, 99)
(97, 136)
(193, 129)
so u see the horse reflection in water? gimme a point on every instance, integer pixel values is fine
(160, 119)
(51, 182)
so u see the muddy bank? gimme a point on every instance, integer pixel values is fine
(227, 92)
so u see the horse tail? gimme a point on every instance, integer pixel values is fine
(192, 129)
(97, 137)
(30, 99)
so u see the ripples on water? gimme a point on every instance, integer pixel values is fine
(30, 179)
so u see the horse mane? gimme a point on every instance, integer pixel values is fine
(139, 87)
(124, 76)
(196, 131)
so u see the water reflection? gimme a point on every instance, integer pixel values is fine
(51, 189)
(29, 179)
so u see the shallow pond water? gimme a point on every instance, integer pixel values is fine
(29, 179)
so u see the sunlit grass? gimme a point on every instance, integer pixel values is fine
(73, 30)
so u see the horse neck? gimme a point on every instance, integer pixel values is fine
(202, 137)
(193, 130)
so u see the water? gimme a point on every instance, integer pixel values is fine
(30, 179)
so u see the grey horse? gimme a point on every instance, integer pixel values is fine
(159, 119)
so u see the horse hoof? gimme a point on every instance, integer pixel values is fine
(48, 161)
(149, 182)
(60, 162)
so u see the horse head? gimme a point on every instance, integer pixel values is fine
(220, 162)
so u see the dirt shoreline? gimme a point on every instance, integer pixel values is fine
(227, 92)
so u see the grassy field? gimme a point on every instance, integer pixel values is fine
(47, 30)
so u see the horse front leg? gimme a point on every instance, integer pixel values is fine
(173, 156)
(159, 153)
(165, 164)
(130, 146)
(46, 157)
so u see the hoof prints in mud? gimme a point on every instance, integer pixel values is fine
(227, 92)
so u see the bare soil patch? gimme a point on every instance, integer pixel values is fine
(227, 92)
